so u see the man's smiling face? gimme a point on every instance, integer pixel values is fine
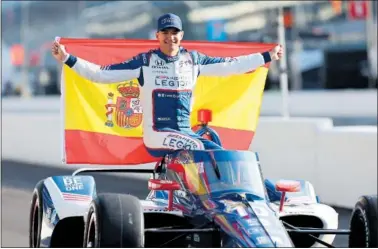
(169, 39)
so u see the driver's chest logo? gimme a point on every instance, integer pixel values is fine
(127, 111)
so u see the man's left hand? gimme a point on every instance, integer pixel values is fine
(276, 53)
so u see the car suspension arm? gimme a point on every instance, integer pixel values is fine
(186, 231)
(319, 231)
(310, 235)
(194, 230)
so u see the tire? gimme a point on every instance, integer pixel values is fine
(363, 223)
(35, 216)
(114, 220)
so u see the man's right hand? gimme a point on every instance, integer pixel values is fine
(59, 52)
(276, 53)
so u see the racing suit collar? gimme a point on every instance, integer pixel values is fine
(167, 58)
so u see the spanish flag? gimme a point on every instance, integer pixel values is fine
(96, 130)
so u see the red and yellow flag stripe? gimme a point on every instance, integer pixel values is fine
(235, 102)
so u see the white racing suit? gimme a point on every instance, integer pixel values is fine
(166, 85)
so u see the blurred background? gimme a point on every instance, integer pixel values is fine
(327, 84)
(330, 44)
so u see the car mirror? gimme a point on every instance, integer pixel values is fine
(157, 184)
(164, 185)
(287, 186)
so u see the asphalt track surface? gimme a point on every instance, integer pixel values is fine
(19, 179)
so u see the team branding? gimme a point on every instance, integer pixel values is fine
(168, 95)
(163, 118)
(173, 81)
(172, 58)
(167, 20)
(262, 240)
(255, 230)
(253, 222)
(144, 57)
(159, 64)
(159, 72)
(177, 141)
(231, 59)
(72, 183)
(185, 63)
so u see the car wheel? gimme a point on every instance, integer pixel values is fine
(35, 216)
(363, 223)
(114, 220)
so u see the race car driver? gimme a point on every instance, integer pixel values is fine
(167, 76)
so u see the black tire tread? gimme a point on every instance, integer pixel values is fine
(120, 221)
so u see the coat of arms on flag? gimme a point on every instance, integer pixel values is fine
(126, 111)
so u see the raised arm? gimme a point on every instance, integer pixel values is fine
(101, 74)
(222, 66)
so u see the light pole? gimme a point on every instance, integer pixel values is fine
(284, 85)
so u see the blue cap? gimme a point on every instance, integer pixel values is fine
(169, 21)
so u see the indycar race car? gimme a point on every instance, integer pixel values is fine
(215, 198)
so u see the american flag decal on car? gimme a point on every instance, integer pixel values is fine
(76, 197)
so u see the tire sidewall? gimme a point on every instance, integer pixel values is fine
(96, 213)
(36, 202)
(92, 217)
(364, 212)
(359, 213)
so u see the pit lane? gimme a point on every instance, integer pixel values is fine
(19, 179)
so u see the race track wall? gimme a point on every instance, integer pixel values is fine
(341, 162)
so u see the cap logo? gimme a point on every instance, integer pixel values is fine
(167, 20)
